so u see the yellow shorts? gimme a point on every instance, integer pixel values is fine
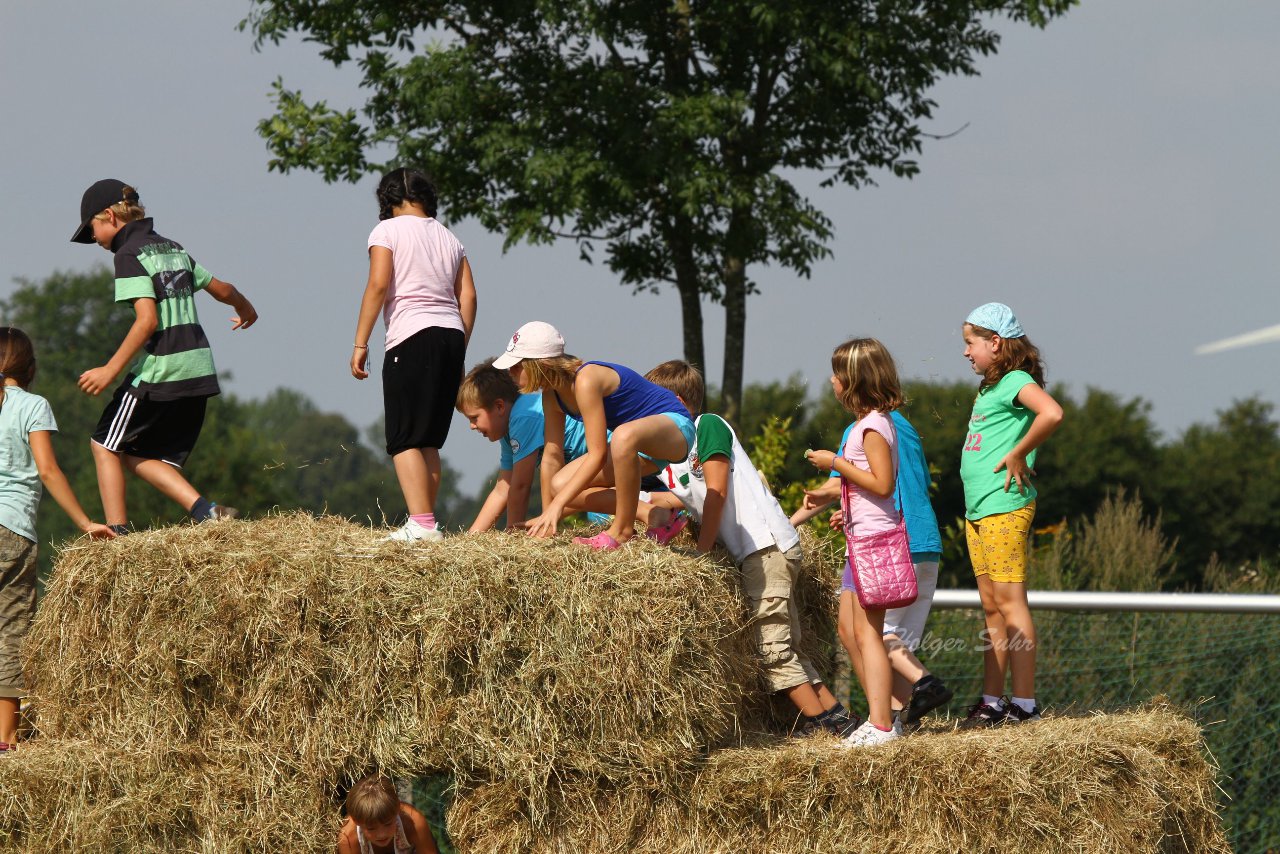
(998, 544)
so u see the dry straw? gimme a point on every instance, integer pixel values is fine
(211, 686)
(314, 639)
(64, 796)
(1098, 785)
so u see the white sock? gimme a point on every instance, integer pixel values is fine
(1027, 705)
(645, 497)
(993, 701)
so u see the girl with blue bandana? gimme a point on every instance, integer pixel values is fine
(1012, 416)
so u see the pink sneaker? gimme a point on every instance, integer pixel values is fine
(664, 534)
(601, 542)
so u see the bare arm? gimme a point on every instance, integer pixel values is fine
(347, 842)
(464, 288)
(590, 389)
(145, 321)
(879, 481)
(227, 294)
(552, 444)
(55, 482)
(521, 486)
(1048, 416)
(375, 294)
(418, 831)
(493, 505)
(715, 474)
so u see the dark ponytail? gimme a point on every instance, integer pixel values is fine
(405, 185)
(17, 358)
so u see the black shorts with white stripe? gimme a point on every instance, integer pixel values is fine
(163, 430)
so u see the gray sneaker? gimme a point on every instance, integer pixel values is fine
(221, 513)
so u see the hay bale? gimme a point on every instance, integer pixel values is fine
(1129, 782)
(491, 655)
(62, 796)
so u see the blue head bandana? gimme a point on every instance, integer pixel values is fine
(997, 317)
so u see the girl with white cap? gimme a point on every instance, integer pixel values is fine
(649, 424)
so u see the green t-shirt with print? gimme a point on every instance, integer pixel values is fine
(997, 424)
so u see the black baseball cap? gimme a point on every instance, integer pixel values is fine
(97, 199)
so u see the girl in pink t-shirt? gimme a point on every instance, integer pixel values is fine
(420, 281)
(865, 381)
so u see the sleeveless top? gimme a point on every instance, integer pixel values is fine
(400, 845)
(633, 399)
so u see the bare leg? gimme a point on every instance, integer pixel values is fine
(995, 658)
(656, 435)
(907, 669)
(877, 675)
(8, 719)
(806, 699)
(165, 478)
(110, 484)
(1011, 599)
(419, 482)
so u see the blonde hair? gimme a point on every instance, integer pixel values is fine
(372, 800)
(553, 372)
(868, 375)
(684, 380)
(125, 211)
(1015, 354)
(484, 385)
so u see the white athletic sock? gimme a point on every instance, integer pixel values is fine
(993, 701)
(1027, 705)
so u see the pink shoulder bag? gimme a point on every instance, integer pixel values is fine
(881, 562)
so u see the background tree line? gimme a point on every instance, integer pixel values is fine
(1212, 493)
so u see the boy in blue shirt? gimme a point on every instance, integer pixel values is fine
(489, 399)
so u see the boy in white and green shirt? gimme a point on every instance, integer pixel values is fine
(725, 494)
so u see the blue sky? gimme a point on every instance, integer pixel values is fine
(1116, 184)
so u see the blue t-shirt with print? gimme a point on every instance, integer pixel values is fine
(911, 492)
(526, 433)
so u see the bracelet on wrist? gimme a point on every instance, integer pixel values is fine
(361, 346)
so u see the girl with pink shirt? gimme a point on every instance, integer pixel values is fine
(865, 381)
(421, 281)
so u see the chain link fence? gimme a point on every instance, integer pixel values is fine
(1223, 669)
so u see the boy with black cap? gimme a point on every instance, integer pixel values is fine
(155, 416)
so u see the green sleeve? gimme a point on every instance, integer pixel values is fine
(715, 436)
(202, 276)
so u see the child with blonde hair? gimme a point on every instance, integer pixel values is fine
(154, 418)
(865, 381)
(378, 823)
(26, 450)
(649, 425)
(1012, 416)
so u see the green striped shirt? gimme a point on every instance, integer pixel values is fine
(176, 361)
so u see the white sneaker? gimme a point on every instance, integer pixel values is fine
(412, 532)
(868, 735)
(897, 723)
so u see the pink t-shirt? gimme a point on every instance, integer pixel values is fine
(865, 513)
(425, 258)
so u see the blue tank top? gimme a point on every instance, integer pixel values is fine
(633, 399)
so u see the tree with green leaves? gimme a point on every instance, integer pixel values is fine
(664, 132)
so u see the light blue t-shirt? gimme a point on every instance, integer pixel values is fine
(526, 433)
(21, 414)
(911, 492)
